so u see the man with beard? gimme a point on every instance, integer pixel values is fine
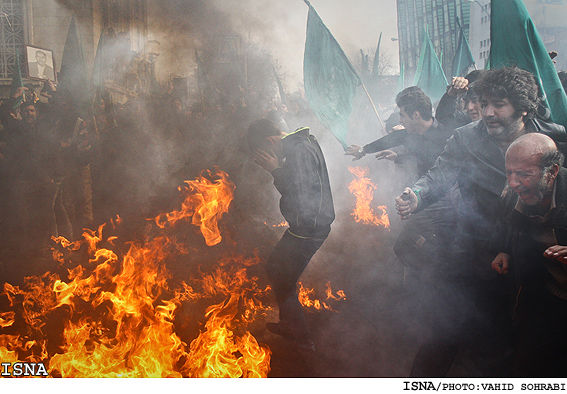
(534, 225)
(298, 167)
(474, 300)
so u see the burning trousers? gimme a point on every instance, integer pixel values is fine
(285, 265)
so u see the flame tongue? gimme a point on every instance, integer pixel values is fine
(120, 314)
(363, 189)
(205, 202)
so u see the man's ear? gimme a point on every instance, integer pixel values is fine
(553, 171)
(416, 115)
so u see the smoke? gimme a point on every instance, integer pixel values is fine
(154, 146)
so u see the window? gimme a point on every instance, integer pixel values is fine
(11, 36)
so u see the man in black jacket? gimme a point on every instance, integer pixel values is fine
(33, 163)
(533, 232)
(297, 164)
(422, 139)
(474, 160)
(448, 111)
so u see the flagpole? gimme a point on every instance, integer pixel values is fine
(375, 109)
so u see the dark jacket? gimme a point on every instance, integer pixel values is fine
(513, 237)
(303, 182)
(448, 115)
(31, 152)
(424, 148)
(474, 161)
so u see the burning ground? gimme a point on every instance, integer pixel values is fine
(189, 300)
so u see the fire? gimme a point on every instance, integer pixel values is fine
(115, 312)
(206, 201)
(281, 224)
(363, 189)
(307, 298)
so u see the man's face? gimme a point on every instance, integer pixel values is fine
(474, 109)
(407, 120)
(526, 177)
(29, 114)
(500, 116)
(40, 58)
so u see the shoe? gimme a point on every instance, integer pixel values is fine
(277, 329)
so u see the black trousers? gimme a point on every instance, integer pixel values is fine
(541, 323)
(284, 267)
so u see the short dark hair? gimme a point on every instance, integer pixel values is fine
(259, 130)
(414, 99)
(473, 75)
(28, 103)
(517, 85)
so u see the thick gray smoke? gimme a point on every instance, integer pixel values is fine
(158, 147)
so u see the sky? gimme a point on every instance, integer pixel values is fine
(280, 26)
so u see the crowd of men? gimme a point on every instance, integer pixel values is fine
(482, 239)
(482, 225)
(66, 167)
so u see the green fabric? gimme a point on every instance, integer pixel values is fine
(101, 62)
(401, 80)
(515, 41)
(281, 90)
(429, 75)
(329, 78)
(73, 81)
(17, 80)
(463, 59)
(376, 62)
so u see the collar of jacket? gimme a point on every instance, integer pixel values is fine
(299, 131)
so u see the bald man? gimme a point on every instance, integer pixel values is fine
(534, 246)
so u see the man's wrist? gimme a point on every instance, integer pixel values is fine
(417, 195)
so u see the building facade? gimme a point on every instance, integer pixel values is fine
(45, 24)
(550, 18)
(440, 17)
(479, 32)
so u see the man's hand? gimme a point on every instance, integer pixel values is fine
(501, 263)
(19, 92)
(387, 154)
(557, 252)
(458, 85)
(268, 161)
(355, 150)
(406, 203)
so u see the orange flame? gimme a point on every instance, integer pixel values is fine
(119, 313)
(308, 301)
(363, 189)
(206, 200)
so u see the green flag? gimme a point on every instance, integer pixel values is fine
(329, 78)
(429, 75)
(281, 90)
(401, 79)
(73, 81)
(516, 42)
(376, 63)
(463, 59)
(102, 62)
(17, 80)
